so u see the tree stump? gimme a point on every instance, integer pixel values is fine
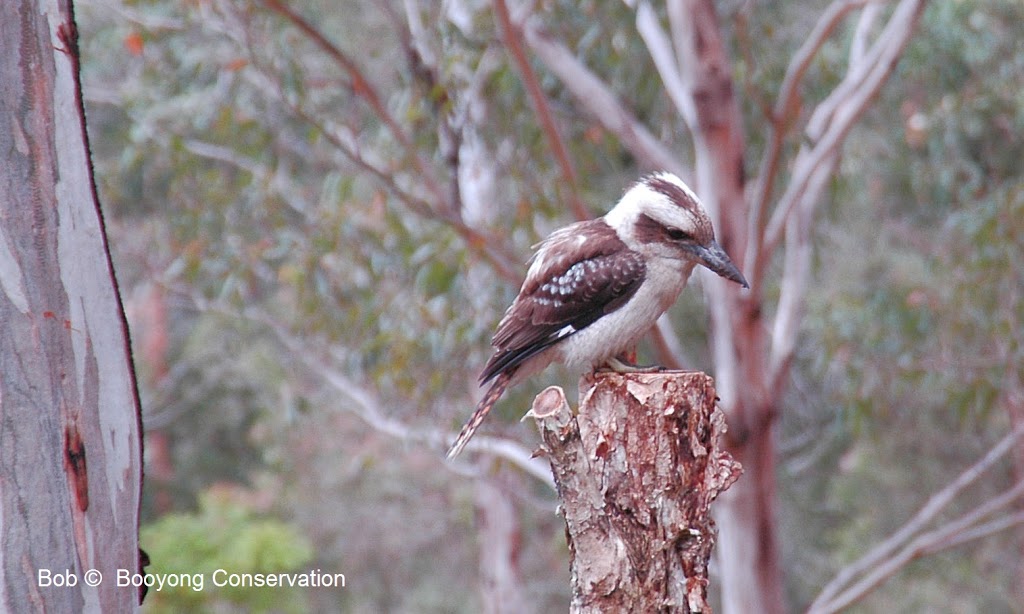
(636, 471)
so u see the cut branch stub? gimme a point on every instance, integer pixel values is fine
(636, 472)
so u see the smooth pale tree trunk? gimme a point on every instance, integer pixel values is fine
(501, 590)
(748, 547)
(70, 452)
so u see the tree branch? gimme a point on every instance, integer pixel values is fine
(512, 36)
(423, 66)
(367, 407)
(595, 96)
(811, 169)
(836, 115)
(362, 88)
(888, 556)
(795, 273)
(787, 107)
(945, 537)
(283, 185)
(664, 57)
(487, 246)
(980, 531)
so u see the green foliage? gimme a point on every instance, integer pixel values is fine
(225, 534)
(934, 299)
(962, 109)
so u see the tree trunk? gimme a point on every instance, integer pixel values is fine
(636, 471)
(753, 581)
(501, 590)
(751, 577)
(70, 451)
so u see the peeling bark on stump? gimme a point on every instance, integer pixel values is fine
(636, 471)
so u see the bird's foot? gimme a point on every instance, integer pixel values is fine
(618, 366)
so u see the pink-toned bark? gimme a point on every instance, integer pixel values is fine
(70, 450)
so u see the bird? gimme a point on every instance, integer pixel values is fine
(594, 288)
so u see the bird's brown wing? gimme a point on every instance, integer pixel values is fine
(579, 274)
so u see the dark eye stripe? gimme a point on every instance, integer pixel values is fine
(678, 235)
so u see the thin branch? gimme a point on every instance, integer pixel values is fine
(795, 275)
(843, 108)
(865, 65)
(144, 19)
(939, 538)
(361, 87)
(861, 34)
(512, 36)
(788, 102)
(484, 245)
(787, 107)
(476, 241)
(809, 176)
(367, 407)
(935, 504)
(289, 192)
(423, 66)
(745, 45)
(944, 537)
(981, 531)
(660, 48)
(346, 143)
(592, 94)
(891, 554)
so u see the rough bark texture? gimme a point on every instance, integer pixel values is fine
(70, 453)
(636, 471)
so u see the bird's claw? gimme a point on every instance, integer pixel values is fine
(615, 365)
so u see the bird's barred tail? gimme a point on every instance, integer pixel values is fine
(482, 409)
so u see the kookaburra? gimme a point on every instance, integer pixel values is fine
(594, 288)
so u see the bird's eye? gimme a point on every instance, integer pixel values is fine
(679, 235)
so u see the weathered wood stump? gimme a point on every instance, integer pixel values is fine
(636, 470)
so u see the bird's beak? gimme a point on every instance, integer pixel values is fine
(715, 258)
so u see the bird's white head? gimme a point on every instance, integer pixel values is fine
(661, 217)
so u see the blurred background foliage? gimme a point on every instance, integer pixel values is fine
(269, 230)
(226, 533)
